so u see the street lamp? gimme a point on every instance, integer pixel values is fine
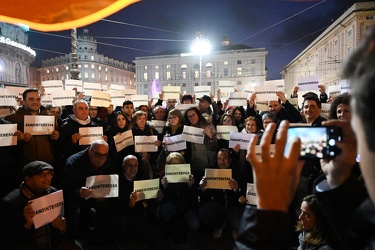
(200, 46)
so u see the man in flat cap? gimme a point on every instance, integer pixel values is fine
(17, 225)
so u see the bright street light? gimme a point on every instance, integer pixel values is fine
(200, 46)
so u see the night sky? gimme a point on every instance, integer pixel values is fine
(283, 27)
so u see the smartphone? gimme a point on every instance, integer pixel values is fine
(316, 142)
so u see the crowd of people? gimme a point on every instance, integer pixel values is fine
(294, 199)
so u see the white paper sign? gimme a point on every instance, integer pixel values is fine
(184, 107)
(139, 100)
(334, 90)
(52, 86)
(177, 172)
(227, 86)
(103, 186)
(258, 151)
(88, 87)
(123, 140)
(193, 134)
(171, 92)
(265, 93)
(224, 131)
(200, 91)
(218, 178)
(47, 208)
(237, 99)
(249, 89)
(158, 125)
(7, 137)
(146, 189)
(90, 134)
(326, 107)
(129, 92)
(105, 87)
(294, 102)
(117, 97)
(175, 143)
(70, 84)
(100, 99)
(145, 143)
(345, 86)
(62, 98)
(240, 138)
(117, 87)
(39, 124)
(16, 90)
(277, 83)
(307, 83)
(8, 97)
(46, 99)
(262, 106)
(251, 194)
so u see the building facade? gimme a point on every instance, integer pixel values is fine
(15, 56)
(93, 67)
(325, 55)
(240, 64)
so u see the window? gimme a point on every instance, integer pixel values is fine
(145, 67)
(168, 66)
(86, 75)
(66, 67)
(47, 71)
(100, 67)
(370, 17)
(209, 84)
(184, 85)
(226, 72)
(145, 86)
(86, 66)
(225, 62)
(183, 75)
(67, 76)
(350, 33)
(106, 69)
(209, 73)
(196, 73)
(106, 78)
(239, 62)
(93, 75)
(157, 75)
(168, 75)
(156, 66)
(252, 61)
(92, 66)
(145, 76)
(99, 76)
(79, 66)
(92, 58)
(57, 69)
(239, 71)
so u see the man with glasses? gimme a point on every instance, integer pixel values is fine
(94, 216)
(17, 224)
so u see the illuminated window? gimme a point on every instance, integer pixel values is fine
(92, 58)
(146, 67)
(168, 75)
(92, 66)
(100, 67)
(92, 75)
(106, 78)
(47, 71)
(145, 77)
(168, 66)
(239, 71)
(79, 66)
(106, 69)
(86, 75)
(157, 75)
(57, 69)
(67, 76)
(225, 62)
(66, 67)
(156, 66)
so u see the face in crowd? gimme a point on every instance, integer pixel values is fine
(237, 115)
(159, 114)
(98, 153)
(227, 120)
(171, 103)
(128, 110)
(32, 102)
(40, 182)
(121, 121)
(267, 121)
(251, 127)
(81, 110)
(130, 166)
(141, 121)
(55, 111)
(93, 112)
(193, 117)
(223, 159)
(274, 106)
(311, 110)
(343, 112)
(307, 217)
(174, 120)
(203, 104)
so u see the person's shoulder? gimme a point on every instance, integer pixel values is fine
(11, 197)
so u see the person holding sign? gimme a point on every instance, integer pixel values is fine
(34, 147)
(17, 224)
(135, 219)
(202, 155)
(140, 127)
(179, 205)
(221, 206)
(119, 126)
(70, 136)
(81, 210)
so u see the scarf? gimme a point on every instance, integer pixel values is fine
(82, 122)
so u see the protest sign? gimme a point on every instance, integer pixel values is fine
(103, 186)
(63, 97)
(218, 178)
(237, 99)
(52, 86)
(307, 83)
(7, 137)
(177, 172)
(71, 84)
(171, 92)
(123, 140)
(224, 131)
(193, 134)
(145, 143)
(251, 194)
(8, 97)
(243, 139)
(39, 124)
(146, 189)
(175, 143)
(90, 134)
(47, 208)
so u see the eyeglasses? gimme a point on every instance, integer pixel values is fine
(99, 155)
(46, 174)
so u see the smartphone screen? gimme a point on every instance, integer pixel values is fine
(316, 142)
